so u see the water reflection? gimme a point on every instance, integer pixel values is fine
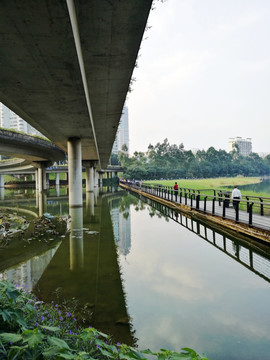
(182, 292)
(76, 238)
(28, 273)
(178, 290)
(251, 254)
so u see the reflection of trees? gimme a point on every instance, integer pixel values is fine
(126, 201)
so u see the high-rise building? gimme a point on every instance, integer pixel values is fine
(244, 145)
(122, 135)
(10, 120)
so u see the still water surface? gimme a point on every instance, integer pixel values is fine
(181, 284)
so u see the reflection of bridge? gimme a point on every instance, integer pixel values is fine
(252, 255)
(68, 72)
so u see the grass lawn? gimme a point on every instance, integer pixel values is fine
(215, 183)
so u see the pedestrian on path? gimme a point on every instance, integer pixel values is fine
(236, 196)
(175, 187)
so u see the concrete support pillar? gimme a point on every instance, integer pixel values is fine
(89, 174)
(96, 178)
(75, 173)
(57, 179)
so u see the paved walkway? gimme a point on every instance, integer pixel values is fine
(262, 222)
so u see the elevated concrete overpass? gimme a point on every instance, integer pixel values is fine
(32, 153)
(66, 67)
(29, 148)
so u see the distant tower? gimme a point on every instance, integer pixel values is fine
(244, 145)
(122, 135)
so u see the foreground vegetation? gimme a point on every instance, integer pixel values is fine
(31, 329)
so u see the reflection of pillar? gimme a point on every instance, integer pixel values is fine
(90, 202)
(2, 193)
(57, 179)
(36, 178)
(100, 179)
(76, 238)
(47, 177)
(2, 181)
(41, 178)
(42, 203)
(96, 192)
(75, 172)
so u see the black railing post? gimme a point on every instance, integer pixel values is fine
(213, 206)
(204, 207)
(224, 210)
(261, 200)
(250, 214)
(191, 200)
(198, 202)
(247, 198)
(185, 197)
(219, 198)
(180, 197)
(237, 211)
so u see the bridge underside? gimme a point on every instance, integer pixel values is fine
(66, 66)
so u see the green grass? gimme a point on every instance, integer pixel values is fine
(215, 183)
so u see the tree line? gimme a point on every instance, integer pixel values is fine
(167, 161)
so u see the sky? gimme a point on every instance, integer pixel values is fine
(203, 75)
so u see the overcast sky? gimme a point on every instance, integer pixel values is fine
(203, 75)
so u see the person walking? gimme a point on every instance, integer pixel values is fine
(175, 187)
(236, 196)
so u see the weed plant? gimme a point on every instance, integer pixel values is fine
(31, 329)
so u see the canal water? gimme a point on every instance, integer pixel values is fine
(148, 276)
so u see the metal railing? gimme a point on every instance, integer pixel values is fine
(250, 210)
